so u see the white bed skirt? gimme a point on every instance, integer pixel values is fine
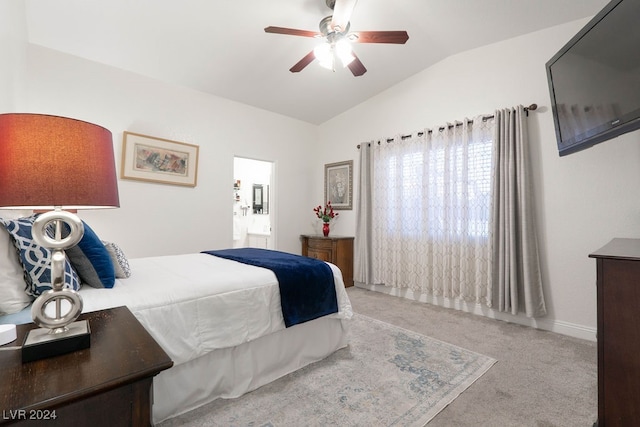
(232, 372)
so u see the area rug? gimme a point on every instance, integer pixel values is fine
(387, 376)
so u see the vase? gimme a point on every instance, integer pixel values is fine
(325, 229)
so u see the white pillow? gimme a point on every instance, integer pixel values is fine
(13, 297)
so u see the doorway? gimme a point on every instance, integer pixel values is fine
(253, 207)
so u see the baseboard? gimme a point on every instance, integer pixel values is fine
(556, 326)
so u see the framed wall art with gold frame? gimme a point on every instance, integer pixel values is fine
(338, 184)
(151, 159)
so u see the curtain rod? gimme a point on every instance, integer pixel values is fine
(531, 107)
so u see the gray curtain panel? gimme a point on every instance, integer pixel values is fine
(516, 266)
(362, 257)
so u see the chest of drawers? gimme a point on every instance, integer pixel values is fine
(337, 250)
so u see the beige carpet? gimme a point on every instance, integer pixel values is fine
(542, 379)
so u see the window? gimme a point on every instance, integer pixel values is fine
(437, 190)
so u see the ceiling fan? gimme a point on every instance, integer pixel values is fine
(337, 47)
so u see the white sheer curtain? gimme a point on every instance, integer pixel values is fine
(431, 211)
(426, 218)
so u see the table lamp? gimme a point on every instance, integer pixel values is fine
(50, 163)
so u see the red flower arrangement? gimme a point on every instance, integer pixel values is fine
(326, 214)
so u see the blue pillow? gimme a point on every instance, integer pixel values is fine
(92, 260)
(36, 259)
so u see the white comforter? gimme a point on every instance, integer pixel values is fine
(195, 303)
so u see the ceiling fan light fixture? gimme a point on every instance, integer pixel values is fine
(328, 64)
(344, 52)
(324, 55)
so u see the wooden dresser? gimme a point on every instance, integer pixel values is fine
(618, 272)
(337, 250)
(108, 384)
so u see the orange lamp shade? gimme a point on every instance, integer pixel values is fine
(50, 161)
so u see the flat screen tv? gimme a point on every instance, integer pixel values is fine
(594, 80)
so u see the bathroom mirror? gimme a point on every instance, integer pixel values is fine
(260, 199)
(257, 198)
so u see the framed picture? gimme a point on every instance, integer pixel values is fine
(338, 184)
(146, 158)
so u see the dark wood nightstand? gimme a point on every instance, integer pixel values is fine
(109, 384)
(337, 250)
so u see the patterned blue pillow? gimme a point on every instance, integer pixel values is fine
(35, 259)
(119, 259)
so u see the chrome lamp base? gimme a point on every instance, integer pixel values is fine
(59, 333)
(42, 342)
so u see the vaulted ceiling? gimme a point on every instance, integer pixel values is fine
(220, 47)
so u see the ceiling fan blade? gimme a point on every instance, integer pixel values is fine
(356, 66)
(395, 37)
(308, 59)
(291, 32)
(342, 11)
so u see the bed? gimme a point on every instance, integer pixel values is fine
(220, 321)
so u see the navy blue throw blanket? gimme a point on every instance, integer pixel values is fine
(307, 288)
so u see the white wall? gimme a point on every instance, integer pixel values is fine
(156, 219)
(583, 200)
(13, 35)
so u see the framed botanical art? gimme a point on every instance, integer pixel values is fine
(151, 159)
(338, 184)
